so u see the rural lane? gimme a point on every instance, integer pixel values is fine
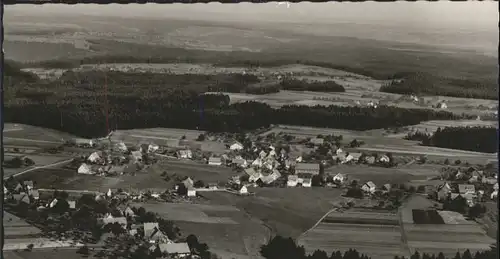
(40, 167)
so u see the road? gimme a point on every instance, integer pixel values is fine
(40, 167)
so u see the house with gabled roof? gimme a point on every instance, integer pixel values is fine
(317, 141)
(240, 162)
(178, 250)
(271, 177)
(95, 157)
(236, 146)
(185, 154)
(188, 182)
(243, 190)
(19, 188)
(307, 168)
(35, 194)
(369, 187)
(253, 175)
(340, 178)
(307, 182)
(466, 188)
(214, 161)
(28, 185)
(85, 169)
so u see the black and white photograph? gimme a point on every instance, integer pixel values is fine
(278, 130)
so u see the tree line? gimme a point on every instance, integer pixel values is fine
(280, 248)
(426, 84)
(75, 104)
(478, 138)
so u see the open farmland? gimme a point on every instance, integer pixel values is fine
(453, 234)
(345, 230)
(197, 171)
(40, 161)
(19, 132)
(287, 211)
(46, 254)
(228, 231)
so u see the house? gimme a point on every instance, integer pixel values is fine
(240, 162)
(95, 157)
(298, 159)
(21, 198)
(191, 192)
(108, 219)
(28, 185)
(443, 191)
(253, 175)
(292, 180)
(236, 146)
(128, 212)
(5, 191)
(386, 187)
(214, 161)
(495, 187)
(120, 146)
(213, 186)
(109, 193)
(53, 203)
(72, 204)
(469, 197)
(188, 182)
(489, 180)
(307, 182)
(494, 195)
(384, 159)
(369, 160)
(271, 177)
(35, 194)
(307, 168)
(153, 148)
(236, 179)
(257, 162)
(243, 190)
(466, 188)
(149, 228)
(441, 105)
(19, 188)
(185, 154)
(317, 141)
(85, 169)
(369, 187)
(136, 156)
(340, 178)
(179, 250)
(262, 154)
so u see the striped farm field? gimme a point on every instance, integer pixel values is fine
(379, 241)
(362, 218)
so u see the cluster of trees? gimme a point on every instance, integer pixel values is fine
(18, 162)
(479, 139)
(423, 137)
(280, 247)
(426, 84)
(315, 86)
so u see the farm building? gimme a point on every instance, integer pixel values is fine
(108, 219)
(153, 148)
(441, 105)
(271, 177)
(253, 175)
(340, 178)
(307, 168)
(443, 191)
(317, 141)
(384, 159)
(369, 187)
(262, 154)
(214, 161)
(213, 186)
(386, 187)
(28, 184)
(35, 194)
(236, 146)
(180, 250)
(191, 192)
(95, 157)
(495, 187)
(240, 162)
(137, 156)
(489, 180)
(307, 182)
(243, 190)
(188, 182)
(494, 195)
(292, 180)
(466, 188)
(185, 154)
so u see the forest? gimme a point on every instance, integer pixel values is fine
(75, 103)
(426, 84)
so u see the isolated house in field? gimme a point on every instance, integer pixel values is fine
(243, 190)
(214, 161)
(369, 187)
(175, 250)
(340, 178)
(236, 146)
(317, 141)
(292, 181)
(466, 189)
(307, 168)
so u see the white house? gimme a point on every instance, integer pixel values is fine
(177, 250)
(109, 193)
(253, 175)
(85, 169)
(340, 178)
(298, 159)
(236, 146)
(214, 161)
(384, 159)
(243, 190)
(240, 162)
(94, 157)
(153, 148)
(292, 180)
(494, 194)
(257, 162)
(191, 192)
(186, 154)
(369, 187)
(121, 147)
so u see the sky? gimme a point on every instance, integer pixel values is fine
(441, 14)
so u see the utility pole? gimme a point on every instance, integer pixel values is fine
(106, 102)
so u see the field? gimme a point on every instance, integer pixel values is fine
(62, 178)
(16, 132)
(287, 211)
(48, 253)
(227, 230)
(376, 234)
(456, 234)
(40, 160)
